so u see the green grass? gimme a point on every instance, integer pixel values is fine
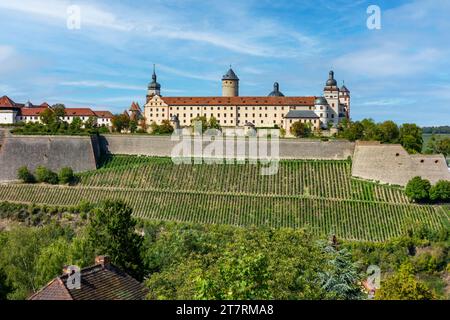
(320, 195)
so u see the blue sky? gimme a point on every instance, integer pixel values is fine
(400, 72)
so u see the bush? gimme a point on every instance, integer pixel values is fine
(66, 175)
(418, 189)
(300, 130)
(440, 191)
(46, 175)
(25, 175)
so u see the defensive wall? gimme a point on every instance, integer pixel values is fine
(390, 163)
(54, 152)
(371, 160)
(288, 148)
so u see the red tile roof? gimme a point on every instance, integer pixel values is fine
(103, 114)
(29, 112)
(135, 107)
(99, 282)
(79, 112)
(6, 102)
(239, 101)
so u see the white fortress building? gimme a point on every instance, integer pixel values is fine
(231, 110)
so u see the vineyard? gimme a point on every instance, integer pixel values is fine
(318, 194)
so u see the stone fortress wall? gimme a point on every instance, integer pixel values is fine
(288, 148)
(373, 161)
(390, 163)
(54, 152)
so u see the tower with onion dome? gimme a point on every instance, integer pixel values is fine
(154, 88)
(331, 94)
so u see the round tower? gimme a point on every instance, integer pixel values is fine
(230, 84)
(321, 109)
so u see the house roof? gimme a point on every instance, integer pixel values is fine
(103, 114)
(77, 112)
(28, 112)
(135, 107)
(239, 101)
(99, 282)
(301, 114)
(6, 102)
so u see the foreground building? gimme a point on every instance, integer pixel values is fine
(102, 281)
(231, 110)
(12, 113)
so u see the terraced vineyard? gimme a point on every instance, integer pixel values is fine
(326, 179)
(317, 194)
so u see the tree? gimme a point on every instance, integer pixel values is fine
(5, 288)
(76, 124)
(354, 131)
(443, 146)
(411, 137)
(47, 117)
(46, 175)
(389, 132)
(341, 277)
(20, 253)
(300, 129)
(120, 122)
(237, 277)
(418, 189)
(111, 231)
(403, 285)
(371, 130)
(440, 191)
(133, 126)
(51, 260)
(213, 123)
(25, 175)
(59, 110)
(65, 175)
(90, 123)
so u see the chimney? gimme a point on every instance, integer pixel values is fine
(66, 270)
(103, 260)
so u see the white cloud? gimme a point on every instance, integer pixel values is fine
(253, 38)
(388, 61)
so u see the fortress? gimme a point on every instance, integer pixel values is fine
(231, 110)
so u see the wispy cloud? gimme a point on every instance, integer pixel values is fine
(101, 84)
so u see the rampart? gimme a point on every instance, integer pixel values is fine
(390, 163)
(288, 148)
(53, 152)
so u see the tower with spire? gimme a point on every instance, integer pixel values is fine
(344, 99)
(230, 84)
(154, 88)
